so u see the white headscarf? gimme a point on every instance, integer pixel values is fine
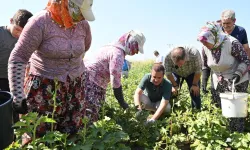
(212, 33)
(133, 40)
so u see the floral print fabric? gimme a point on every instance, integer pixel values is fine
(237, 51)
(64, 12)
(240, 54)
(213, 34)
(129, 43)
(106, 67)
(70, 102)
(94, 95)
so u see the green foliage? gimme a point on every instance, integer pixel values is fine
(103, 134)
(184, 128)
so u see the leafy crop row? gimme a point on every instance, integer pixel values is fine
(183, 128)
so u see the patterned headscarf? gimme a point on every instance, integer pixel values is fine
(132, 41)
(213, 34)
(64, 12)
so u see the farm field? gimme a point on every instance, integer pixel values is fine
(119, 129)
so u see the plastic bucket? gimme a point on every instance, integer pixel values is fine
(234, 105)
(6, 119)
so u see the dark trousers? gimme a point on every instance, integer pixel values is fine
(205, 75)
(4, 86)
(196, 100)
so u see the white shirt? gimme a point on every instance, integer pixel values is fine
(159, 59)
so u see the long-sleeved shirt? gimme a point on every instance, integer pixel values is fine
(106, 67)
(53, 52)
(7, 43)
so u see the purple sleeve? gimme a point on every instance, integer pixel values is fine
(88, 38)
(29, 41)
(239, 53)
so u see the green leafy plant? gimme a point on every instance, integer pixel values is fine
(184, 128)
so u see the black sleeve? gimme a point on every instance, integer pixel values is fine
(119, 96)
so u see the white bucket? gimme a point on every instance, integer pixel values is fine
(234, 104)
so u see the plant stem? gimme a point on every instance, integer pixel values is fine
(34, 135)
(54, 102)
(85, 129)
(171, 121)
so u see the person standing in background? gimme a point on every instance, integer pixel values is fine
(125, 68)
(159, 59)
(8, 37)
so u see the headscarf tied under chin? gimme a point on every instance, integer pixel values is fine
(131, 41)
(64, 12)
(213, 34)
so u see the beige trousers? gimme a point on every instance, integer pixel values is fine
(148, 105)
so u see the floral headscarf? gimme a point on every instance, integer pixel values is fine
(213, 34)
(132, 42)
(64, 12)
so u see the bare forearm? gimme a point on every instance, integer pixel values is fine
(160, 110)
(247, 51)
(137, 100)
(171, 78)
(196, 78)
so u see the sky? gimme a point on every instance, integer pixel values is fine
(163, 22)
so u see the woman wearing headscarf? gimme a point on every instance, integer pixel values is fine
(229, 63)
(107, 67)
(54, 42)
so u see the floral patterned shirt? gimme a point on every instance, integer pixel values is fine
(106, 67)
